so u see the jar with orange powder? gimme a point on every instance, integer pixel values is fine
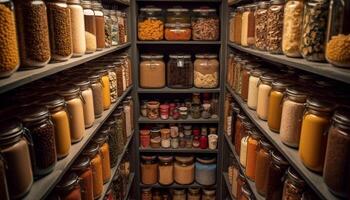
(92, 151)
(101, 140)
(82, 168)
(252, 148)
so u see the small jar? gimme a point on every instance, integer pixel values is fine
(166, 169)
(90, 27)
(164, 111)
(196, 111)
(146, 194)
(178, 194)
(101, 140)
(294, 186)
(78, 29)
(178, 15)
(183, 112)
(82, 167)
(276, 176)
(184, 170)
(261, 18)
(264, 89)
(100, 25)
(155, 138)
(69, 188)
(212, 141)
(113, 88)
(263, 160)
(106, 97)
(97, 93)
(206, 170)
(177, 31)
(145, 138)
(206, 111)
(275, 26)
(153, 109)
(143, 108)
(152, 71)
(254, 78)
(88, 106)
(208, 194)
(205, 24)
(165, 137)
(150, 24)
(180, 71)
(252, 147)
(149, 170)
(193, 194)
(174, 142)
(206, 71)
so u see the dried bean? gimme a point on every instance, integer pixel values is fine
(275, 28)
(205, 29)
(261, 29)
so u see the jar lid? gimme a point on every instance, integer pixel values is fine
(165, 158)
(256, 72)
(263, 4)
(276, 2)
(184, 159)
(178, 25)
(280, 85)
(148, 158)
(179, 56)
(94, 78)
(91, 150)
(265, 144)
(100, 139)
(266, 78)
(165, 130)
(155, 129)
(151, 9)
(69, 90)
(241, 116)
(255, 133)
(83, 84)
(152, 56)
(240, 9)
(278, 158)
(35, 113)
(208, 192)
(68, 182)
(247, 124)
(103, 72)
(177, 10)
(179, 191)
(52, 101)
(296, 92)
(206, 56)
(9, 130)
(206, 160)
(82, 162)
(144, 132)
(73, 1)
(86, 4)
(246, 191)
(164, 106)
(295, 176)
(146, 189)
(204, 10)
(194, 190)
(341, 116)
(319, 104)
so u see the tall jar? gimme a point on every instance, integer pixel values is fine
(208, 194)
(150, 25)
(238, 25)
(275, 104)
(122, 27)
(313, 137)
(243, 151)
(93, 152)
(180, 71)
(149, 170)
(78, 27)
(9, 55)
(275, 26)
(292, 27)
(41, 129)
(205, 170)
(294, 186)
(60, 29)
(96, 86)
(177, 15)
(292, 114)
(184, 169)
(276, 176)
(69, 187)
(261, 22)
(248, 26)
(100, 25)
(108, 27)
(128, 116)
(336, 174)
(112, 75)
(75, 101)
(106, 98)
(115, 28)
(82, 167)
(252, 100)
(252, 148)
(16, 146)
(60, 118)
(264, 89)
(88, 104)
(263, 160)
(166, 169)
(206, 71)
(238, 131)
(205, 24)
(152, 71)
(245, 74)
(33, 33)
(90, 26)
(101, 140)
(231, 33)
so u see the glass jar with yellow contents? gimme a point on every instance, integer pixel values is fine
(105, 89)
(101, 140)
(150, 24)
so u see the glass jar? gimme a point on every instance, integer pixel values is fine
(59, 17)
(243, 151)
(292, 114)
(246, 193)
(115, 140)
(145, 138)
(238, 75)
(120, 122)
(127, 113)
(166, 169)
(16, 146)
(263, 160)
(100, 25)
(313, 137)
(93, 152)
(292, 27)
(275, 104)
(165, 137)
(241, 181)
(180, 71)
(312, 44)
(121, 27)
(206, 71)
(155, 138)
(193, 194)
(178, 15)
(112, 75)
(338, 33)
(245, 81)
(234, 177)
(96, 86)
(238, 25)
(264, 89)
(90, 27)
(178, 194)
(82, 167)
(238, 132)
(106, 93)
(101, 140)
(184, 170)
(149, 170)
(294, 186)
(69, 187)
(9, 60)
(254, 78)
(153, 109)
(336, 173)
(75, 101)
(177, 31)
(276, 176)
(248, 26)
(150, 24)
(78, 29)
(232, 29)
(146, 194)
(114, 28)
(206, 170)
(33, 33)
(261, 25)
(108, 28)
(275, 26)
(88, 104)
(205, 24)
(252, 148)
(152, 71)
(208, 194)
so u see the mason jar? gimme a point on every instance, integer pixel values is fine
(294, 186)
(261, 22)
(205, 24)
(96, 86)
(177, 31)
(184, 169)
(78, 27)
(69, 187)
(152, 71)
(150, 25)
(206, 71)
(178, 15)
(90, 27)
(100, 25)
(180, 71)
(275, 26)
(264, 89)
(82, 167)
(166, 169)
(149, 170)
(88, 104)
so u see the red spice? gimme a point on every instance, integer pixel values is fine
(87, 185)
(177, 34)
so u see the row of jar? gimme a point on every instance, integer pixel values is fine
(295, 28)
(180, 71)
(178, 24)
(182, 170)
(179, 136)
(34, 32)
(178, 194)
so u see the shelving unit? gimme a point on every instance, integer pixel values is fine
(145, 120)
(180, 42)
(175, 185)
(178, 150)
(167, 90)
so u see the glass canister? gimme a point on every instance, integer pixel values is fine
(146, 194)
(108, 27)
(275, 26)
(292, 27)
(127, 114)
(193, 194)
(101, 140)
(16, 146)
(150, 24)
(60, 28)
(100, 25)
(165, 137)
(149, 170)
(238, 25)
(292, 115)
(166, 169)
(155, 137)
(239, 130)
(206, 170)
(60, 118)
(205, 24)
(106, 97)
(120, 122)
(69, 187)
(248, 26)
(112, 75)
(178, 15)
(252, 148)
(180, 71)
(115, 141)
(336, 173)
(313, 135)
(243, 151)
(294, 186)
(78, 27)
(96, 86)
(254, 78)
(264, 89)
(177, 31)
(184, 169)
(206, 71)
(145, 138)
(93, 152)
(263, 160)
(241, 181)
(114, 27)
(261, 25)
(88, 104)
(41, 129)
(153, 109)
(245, 74)
(90, 26)
(178, 194)
(75, 101)
(121, 27)
(276, 176)
(208, 194)
(312, 44)
(9, 55)
(82, 167)
(152, 71)
(231, 33)
(33, 33)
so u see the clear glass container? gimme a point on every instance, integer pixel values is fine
(208, 194)
(254, 78)
(193, 194)
(150, 24)
(101, 140)
(276, 176)
(152, 71)
(261, 23)
(149, 170)
(184, 169)
(178, 15)
(178, 194)
(114, 27)
(122, 27)
(264, 89)
(108, 28)
(206, 170)
(248, 26)
(78, 29)
(180, 71)
(96, 86)
(146, 194)
(275, 26)
(231, 32)
(69, 187)
(166, 169)
(100, 25)
(88, 104)
(252, 148)
(82, 167)
(177, 31)
(206, 71)
(90, 27)
(106, 93)
(205, 24)
(238, 25)
(263, 160)
(294, 186)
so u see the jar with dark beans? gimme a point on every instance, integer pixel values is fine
(261, 26)
(276, 176)
(180, 71)
(294, 186)
(205, 24)
(275, 26)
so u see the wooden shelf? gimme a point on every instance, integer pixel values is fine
(145, 120)
(178, 150)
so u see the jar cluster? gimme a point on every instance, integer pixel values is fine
(182, 170)
(33, 33)
(178, 194)
(180, 72)
(51, 119)
(178, 24)
(203, 106)
(179, 136)
(316, 30)
(309, 114)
